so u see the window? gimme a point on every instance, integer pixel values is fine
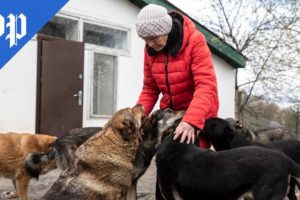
(62, 28)
(104, 83)
(105, 36)
(103, 43)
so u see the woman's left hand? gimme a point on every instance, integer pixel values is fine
(186, 131)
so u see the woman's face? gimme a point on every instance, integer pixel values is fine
(156, 42)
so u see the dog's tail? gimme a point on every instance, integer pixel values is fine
(36, 161)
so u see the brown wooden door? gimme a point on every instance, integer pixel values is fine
(60, 90)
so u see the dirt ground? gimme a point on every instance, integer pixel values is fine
(145, 190)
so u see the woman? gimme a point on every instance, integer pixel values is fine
(178, 64)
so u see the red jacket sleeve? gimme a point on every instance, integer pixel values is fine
(150, 91)
(205, 99)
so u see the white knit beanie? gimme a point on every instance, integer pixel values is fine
(153, 20)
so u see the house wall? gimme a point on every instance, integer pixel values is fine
(226, 83)
(18, 77)
(18, 91)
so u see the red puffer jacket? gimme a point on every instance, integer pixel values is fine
(187, 81)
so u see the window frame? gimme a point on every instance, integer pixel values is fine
(72, 17)
(92, 49)
(120, 51)
(99, 22)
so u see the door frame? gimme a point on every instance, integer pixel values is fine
(40, 38)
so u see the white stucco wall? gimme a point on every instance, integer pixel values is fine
(18, 77)
(18, 91)
(226, 81)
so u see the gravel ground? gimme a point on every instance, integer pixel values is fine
(145, 190)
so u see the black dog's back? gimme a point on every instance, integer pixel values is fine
(223, 136)
(185, 170)
(76, 136)
(194, 173)
(66, 145)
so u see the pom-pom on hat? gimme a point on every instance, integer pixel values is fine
(153, 20)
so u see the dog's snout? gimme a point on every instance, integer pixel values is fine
(138, 110)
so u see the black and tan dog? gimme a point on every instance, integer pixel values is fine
(188, 172)
(224, 136)
(103, 167)
(62, 153)
(14, 148)
(147, 148)
(65, 146)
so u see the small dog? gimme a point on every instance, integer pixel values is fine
(103, 167)
(242, 130)
(224, 136)
(187, 172)
(14, 148)
(264, 135)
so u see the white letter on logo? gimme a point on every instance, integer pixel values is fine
(23, 26)
(12, 30)
(13, 35)
(2, 27)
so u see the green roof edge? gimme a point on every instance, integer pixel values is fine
(217, 46)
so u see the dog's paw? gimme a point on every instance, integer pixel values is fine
(9, 195)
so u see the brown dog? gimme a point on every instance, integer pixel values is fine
(103, 167)
(13, 150)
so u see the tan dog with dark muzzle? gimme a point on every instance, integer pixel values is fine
(14, 147)
(103, 166)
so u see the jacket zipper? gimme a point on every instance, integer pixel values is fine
(167, 81)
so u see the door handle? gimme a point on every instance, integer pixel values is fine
(79, 95)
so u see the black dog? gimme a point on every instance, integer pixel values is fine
(224, 136)
(188, 172)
